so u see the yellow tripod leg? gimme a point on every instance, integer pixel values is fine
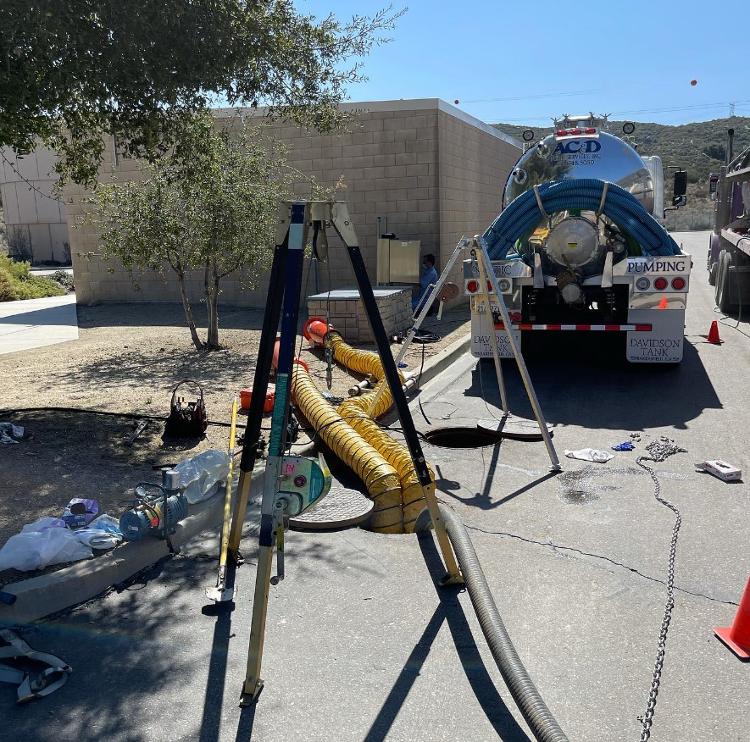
(221, 593)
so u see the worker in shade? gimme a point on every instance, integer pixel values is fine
(427, 279)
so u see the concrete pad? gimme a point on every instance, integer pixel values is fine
(34, 323)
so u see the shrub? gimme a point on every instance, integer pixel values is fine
(17, 283)
(64, 279)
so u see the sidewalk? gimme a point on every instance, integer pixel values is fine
(34, 323)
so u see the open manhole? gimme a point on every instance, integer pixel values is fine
(462, 437)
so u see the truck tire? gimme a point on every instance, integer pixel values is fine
(725, 299)
(712, 271)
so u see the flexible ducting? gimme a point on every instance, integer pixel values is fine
(522, 215)
(522, 688)
(360, 414)
(379, 477)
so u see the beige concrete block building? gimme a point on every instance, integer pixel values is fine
(421, 169)
(35, 217)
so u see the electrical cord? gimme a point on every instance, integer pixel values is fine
(109, 413)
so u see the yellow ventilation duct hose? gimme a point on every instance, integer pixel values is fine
(379, 477)
(397, 455)
(360, 414)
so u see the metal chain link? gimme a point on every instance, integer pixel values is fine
(659, 451)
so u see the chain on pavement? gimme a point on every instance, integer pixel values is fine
(659, 451)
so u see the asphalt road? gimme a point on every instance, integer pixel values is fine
(362, 646)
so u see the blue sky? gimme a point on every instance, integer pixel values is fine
(633, 59)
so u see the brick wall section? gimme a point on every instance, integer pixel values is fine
(349, 318)
(429, 172)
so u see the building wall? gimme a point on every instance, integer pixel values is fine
(401, 165)
(473, 167)
(35, 217)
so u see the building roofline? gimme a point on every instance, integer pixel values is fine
(403, 104)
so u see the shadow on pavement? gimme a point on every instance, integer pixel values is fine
(123, 652)
(578, 387)
(57, 314)
(449, 609)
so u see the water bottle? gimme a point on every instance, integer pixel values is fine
(201, 476)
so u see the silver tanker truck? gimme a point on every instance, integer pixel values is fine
(584, 263)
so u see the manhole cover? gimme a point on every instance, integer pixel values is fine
(340, 508)
(462, 437)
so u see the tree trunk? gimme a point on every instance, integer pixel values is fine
(188, 310)
(212, 305)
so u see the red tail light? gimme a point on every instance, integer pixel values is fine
(472, 286)
(590, 130)
(678, 283)
(489, 285)
(660, 283)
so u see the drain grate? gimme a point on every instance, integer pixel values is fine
(457, 437)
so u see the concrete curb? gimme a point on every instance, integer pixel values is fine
(436, 365)
(41, 596)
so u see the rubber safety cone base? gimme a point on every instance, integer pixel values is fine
(725, 634)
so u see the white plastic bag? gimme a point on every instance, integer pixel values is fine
(40, 544)
(590, 454)
(96, 538)
(200, 476)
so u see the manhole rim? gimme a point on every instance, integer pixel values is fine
(488, 438)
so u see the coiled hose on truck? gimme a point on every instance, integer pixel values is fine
(533, 708)
(522, 215)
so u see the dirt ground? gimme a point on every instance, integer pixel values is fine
(128, 358)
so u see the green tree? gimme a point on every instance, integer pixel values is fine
(210, 204)
(75, 70)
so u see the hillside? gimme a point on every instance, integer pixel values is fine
(697, 147)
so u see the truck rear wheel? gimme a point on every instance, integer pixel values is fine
(725, 299)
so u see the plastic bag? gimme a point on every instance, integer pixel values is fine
(44, 542)
(96, 538)
(80, 512)
(590, 454)
(200, 476)
(107, 523)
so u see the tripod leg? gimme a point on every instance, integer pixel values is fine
(268, 523)
(343, 226)
(483, 255)
(483, 280)
(260, 387)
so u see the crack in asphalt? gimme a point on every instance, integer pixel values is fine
(633, 570)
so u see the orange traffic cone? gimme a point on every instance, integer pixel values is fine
(737, 636)
(713, 334)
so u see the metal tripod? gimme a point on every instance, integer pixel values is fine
(296, 218)
(487, 279)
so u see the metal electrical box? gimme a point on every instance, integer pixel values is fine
(398, 261)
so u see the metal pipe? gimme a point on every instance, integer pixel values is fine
(530, 393)
(493, 334)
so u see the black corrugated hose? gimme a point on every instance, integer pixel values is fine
(524, 692)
